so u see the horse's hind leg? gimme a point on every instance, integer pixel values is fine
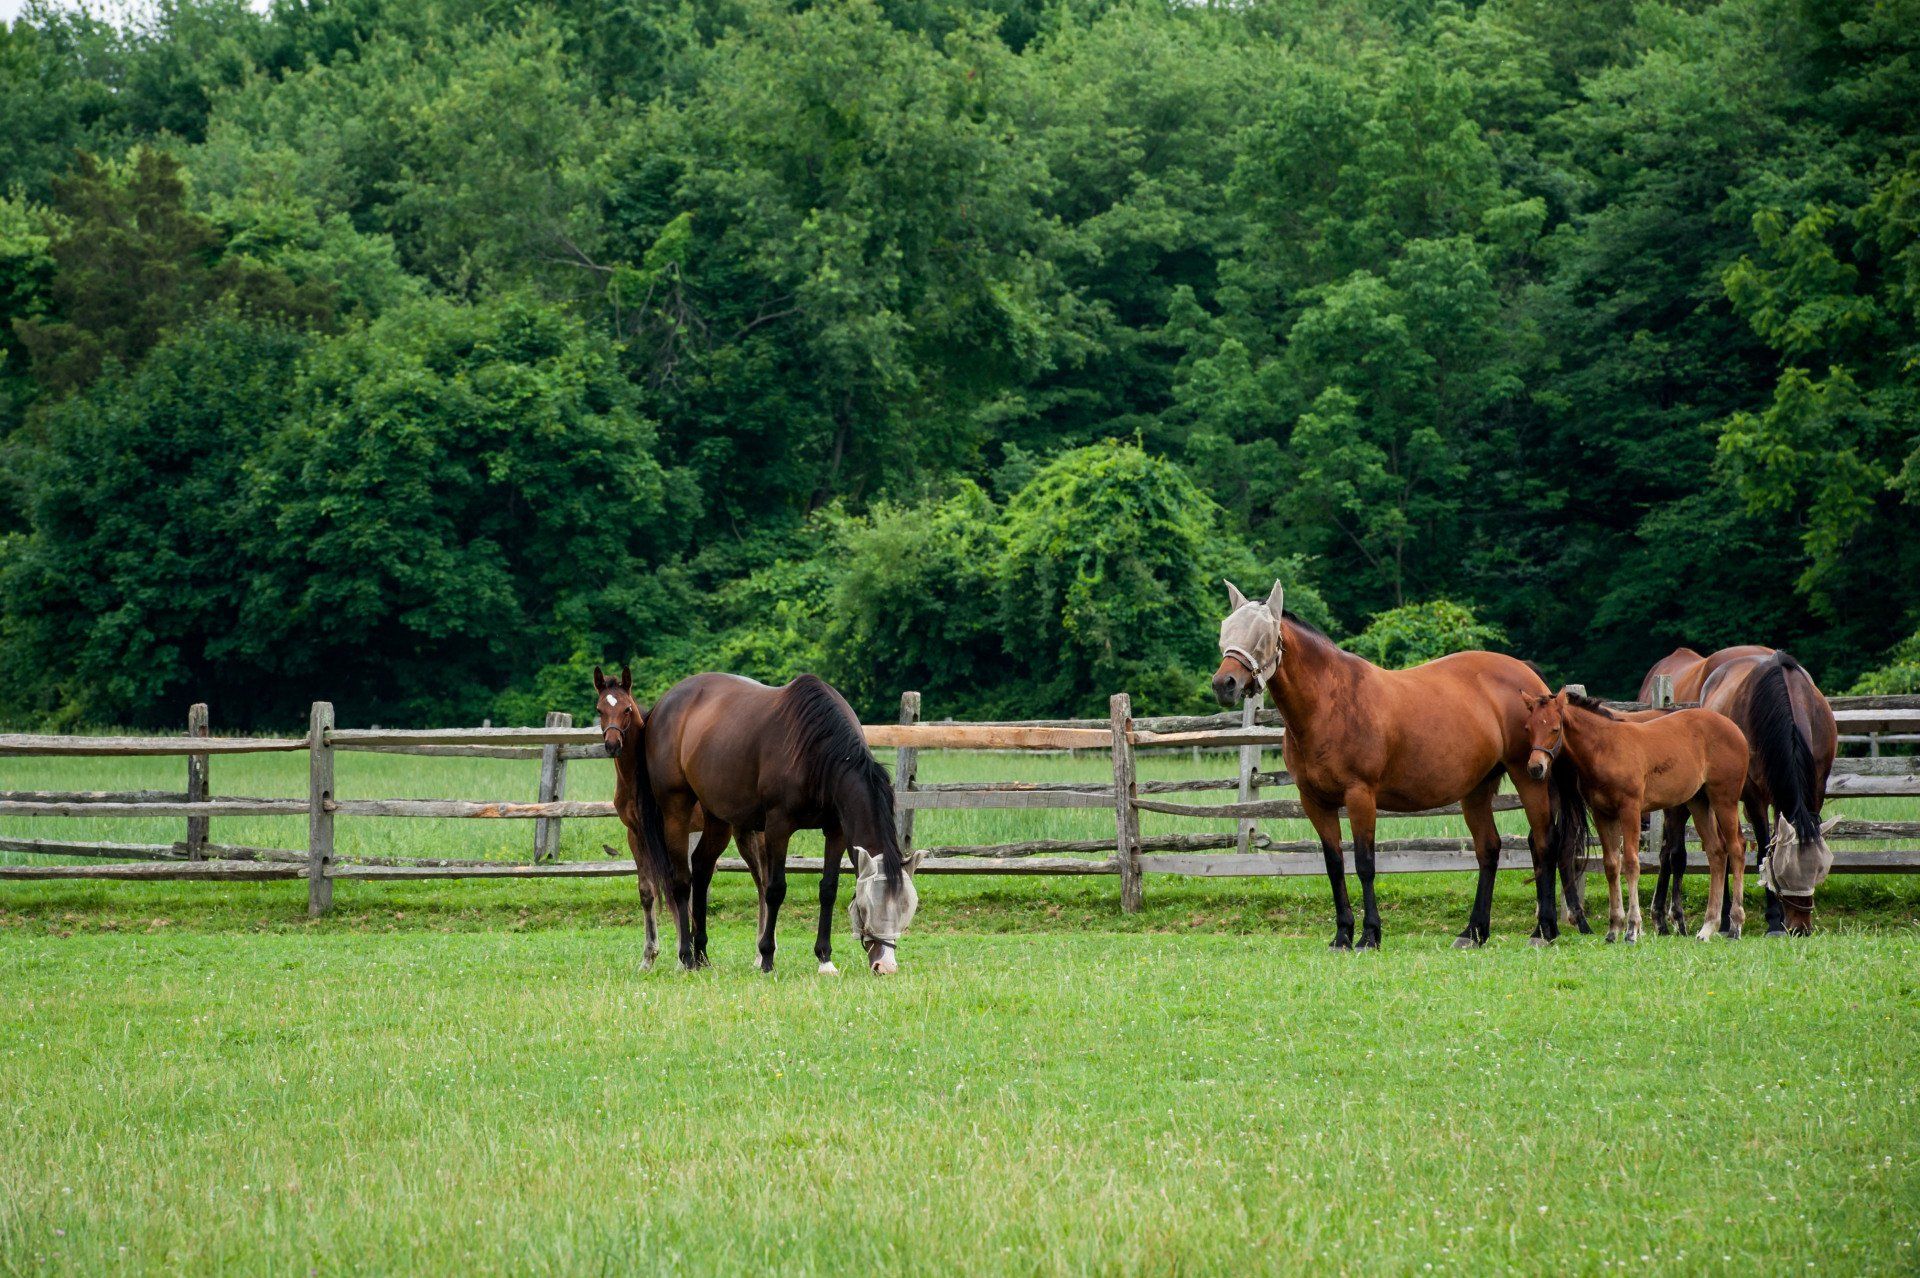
(1360, 819)
(1673, 863)
(1612, 837)
(678, 820)
(1326, 823)
(1705, 821)
(1477, 807)
(1726, 820)
(829, 893)
(713, 841)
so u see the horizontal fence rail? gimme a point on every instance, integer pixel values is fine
(1237, 848)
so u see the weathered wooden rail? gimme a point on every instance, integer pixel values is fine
(1242, 850)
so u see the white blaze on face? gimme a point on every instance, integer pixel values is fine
(611, 701)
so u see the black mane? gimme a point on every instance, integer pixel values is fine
(834, 752)
(1593, 704)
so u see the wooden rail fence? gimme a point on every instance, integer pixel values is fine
(1242, 849)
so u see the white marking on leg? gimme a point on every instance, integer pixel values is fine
(828, 969)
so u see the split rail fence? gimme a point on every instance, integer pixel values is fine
(1243, 849)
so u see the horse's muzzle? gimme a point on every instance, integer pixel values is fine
(1537, 764)
(1227, 690)
(613, 745)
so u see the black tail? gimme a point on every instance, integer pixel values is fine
(1567, 833)
(1786, 756)
(653, 829)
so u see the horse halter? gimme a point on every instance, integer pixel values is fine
(1262, 674)
(1551, 751)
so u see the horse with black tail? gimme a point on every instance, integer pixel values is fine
(1792, 739)
(1369, 740)
(743, 760)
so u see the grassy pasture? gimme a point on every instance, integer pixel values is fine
(476, 1077)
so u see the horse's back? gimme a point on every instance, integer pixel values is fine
(1673, 665)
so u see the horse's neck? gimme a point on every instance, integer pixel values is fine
(626, 772)
(1310, 668)
(1584, 732)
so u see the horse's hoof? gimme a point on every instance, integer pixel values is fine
(828, 969)
(1467, 941)
(1633, 938)
(1368, 943)
(1774, 929)
(1612, 936)
(1586, 929)
(1706, 934)
(1340, 943)
(1539, 942)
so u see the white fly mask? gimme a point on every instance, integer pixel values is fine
(1251, 632)
(1795, 867)
(881, 913)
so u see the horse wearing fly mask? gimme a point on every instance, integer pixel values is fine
(1367, 740)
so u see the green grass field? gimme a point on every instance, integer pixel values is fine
(476, 1076)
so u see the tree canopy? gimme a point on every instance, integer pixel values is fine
(420, 356)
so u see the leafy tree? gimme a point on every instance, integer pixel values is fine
(132, 263)
(1415, 633)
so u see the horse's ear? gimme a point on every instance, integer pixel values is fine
(626, 677)
(1783, 831)
(1276, 600)
(1235, 599)
(920, 854)
(599, 680)
(1826, 826)
(860, 861)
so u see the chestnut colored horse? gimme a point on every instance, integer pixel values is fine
(1793, 738)
(1690, 671)
(730, 756)
(1692, 760)
(1371, 740)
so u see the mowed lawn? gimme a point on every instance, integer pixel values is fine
(477, 1077)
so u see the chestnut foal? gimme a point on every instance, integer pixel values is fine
(1694, 759)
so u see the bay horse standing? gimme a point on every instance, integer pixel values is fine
(1694, 761)
(1371, 740)
(1792, 739)
(740, 759)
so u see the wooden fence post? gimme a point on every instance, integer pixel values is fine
(319, 818)
(1126, 817)
(1249, 767)
(906, 771)
(553, 788)
(197, 827)
(1657, 820)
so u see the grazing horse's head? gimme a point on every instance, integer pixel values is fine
(616, 713)
(881, 911)
(1546, 731)
(1794, 868)
(1249, 645)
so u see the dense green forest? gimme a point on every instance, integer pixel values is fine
(418, 355)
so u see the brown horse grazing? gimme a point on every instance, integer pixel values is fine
(1690, 671)
(1691, 759)
(1372, 740)
(760, 763)
(1793, 738)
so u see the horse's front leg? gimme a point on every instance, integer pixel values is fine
(1360, 819)
(1763, 843)
(829, 893)
(1477, 807)
(1326, 823)
(647, 898)
(678, 820)
(1536, 798)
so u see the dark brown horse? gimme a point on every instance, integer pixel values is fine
(1694, 761)
(738, 758)
(1370, 740)
(1792, 738)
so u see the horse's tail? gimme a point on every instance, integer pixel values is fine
(1673, 839)
(1786, 756)
(653, 827)
(1567, 831)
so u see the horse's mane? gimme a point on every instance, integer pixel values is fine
(1593, 704)
(834, 753)
(1786, 756)
(1305, 625)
